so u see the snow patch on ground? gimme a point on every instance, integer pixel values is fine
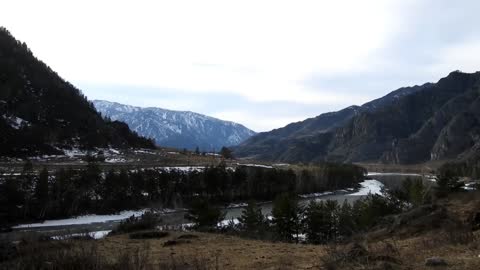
(115, 151)
(88, 219)
(429, 177)
(255, 165)
(95, 235)
(144, 152)
(213, 154)
(237, 205)
(15, 122)
(318, 194)
(401, 174)
(183, 168)
(226, 222)
(470, 186)
(74, 152)
(369, 187)
(115, 160)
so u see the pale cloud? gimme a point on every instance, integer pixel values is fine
(262, 63)
(466, 53)
(160, 43)
(259, 122)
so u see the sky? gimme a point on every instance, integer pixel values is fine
(263, 64)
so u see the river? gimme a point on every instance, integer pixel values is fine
(99, 225)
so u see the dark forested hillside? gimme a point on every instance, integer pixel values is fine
(416, 124)
(41, 113)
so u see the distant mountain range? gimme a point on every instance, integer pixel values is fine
(434, 121)
(176, 128)
(40, 113)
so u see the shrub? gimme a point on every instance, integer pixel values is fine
(204, 215)
(252, 220)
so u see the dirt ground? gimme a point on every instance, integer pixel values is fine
(217, 251)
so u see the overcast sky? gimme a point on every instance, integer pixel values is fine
(260, 63)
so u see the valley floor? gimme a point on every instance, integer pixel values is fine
(407, 243)
(448, 229)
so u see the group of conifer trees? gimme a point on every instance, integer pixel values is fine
(316, 221)
(69, 192)
(290, 220)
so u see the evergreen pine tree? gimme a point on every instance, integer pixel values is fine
(346, 220)
(226, 153)
(321, 221)
(252, 220)
(315, 222)
(204, 215)
(447, 182)
(41, 192)
(286, 214)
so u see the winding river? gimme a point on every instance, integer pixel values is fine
(99, 225)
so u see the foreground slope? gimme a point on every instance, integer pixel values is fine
(41, 113)
(176, 128)
(437, 121)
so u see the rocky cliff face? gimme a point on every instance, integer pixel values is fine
(415, 124)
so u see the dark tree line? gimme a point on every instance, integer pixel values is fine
(327, 176)
(68, 192)
(468, 168)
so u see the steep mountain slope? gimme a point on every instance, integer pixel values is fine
(415, 124)
(281, 143)
(175, 128)
(41, 113)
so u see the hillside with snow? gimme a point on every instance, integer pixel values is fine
(177, 129)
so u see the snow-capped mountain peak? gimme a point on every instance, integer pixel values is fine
(180, 129)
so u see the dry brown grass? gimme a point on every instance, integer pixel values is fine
(202, 251)
(220, 252)
(214, 251)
